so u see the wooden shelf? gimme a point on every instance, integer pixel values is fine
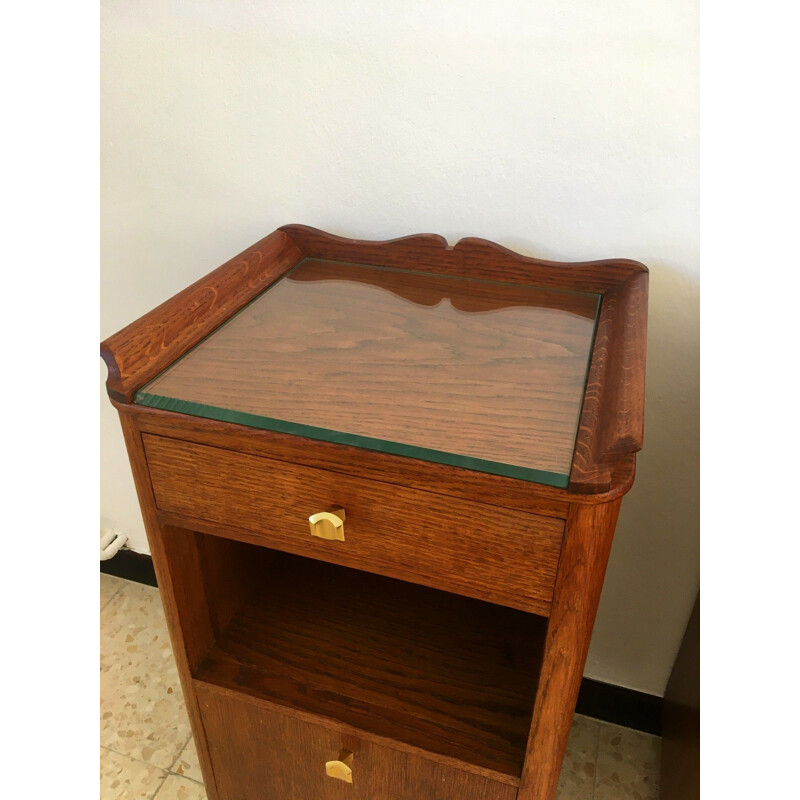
(448, 674)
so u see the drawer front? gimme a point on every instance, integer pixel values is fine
(491, 553)
(260, 751)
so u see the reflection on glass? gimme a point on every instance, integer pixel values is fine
(480, 374)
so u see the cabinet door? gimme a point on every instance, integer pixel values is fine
(259, 752)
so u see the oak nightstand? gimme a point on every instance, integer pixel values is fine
(380, 483)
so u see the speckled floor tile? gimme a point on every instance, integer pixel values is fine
(142, 714)
(188, 764)
(578, 770)
(628, 765)
(177, 788)
(123, 778)
(109, 586)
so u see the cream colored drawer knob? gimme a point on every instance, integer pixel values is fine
(328, 524)
(341, 769)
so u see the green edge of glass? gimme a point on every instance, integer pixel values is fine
(368, 443)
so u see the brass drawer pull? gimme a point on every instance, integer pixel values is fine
(328, 525)
(341, 769)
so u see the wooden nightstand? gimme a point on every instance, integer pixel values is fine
(380, 483)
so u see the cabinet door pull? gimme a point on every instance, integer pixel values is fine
(342, 768)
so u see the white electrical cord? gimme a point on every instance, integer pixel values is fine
(110, 544)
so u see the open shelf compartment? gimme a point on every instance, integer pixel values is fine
(448, 674)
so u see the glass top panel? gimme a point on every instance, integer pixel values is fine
(478, 374)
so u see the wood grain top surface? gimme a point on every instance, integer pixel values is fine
(489, 372)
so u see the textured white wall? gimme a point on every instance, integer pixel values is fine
(565, 130)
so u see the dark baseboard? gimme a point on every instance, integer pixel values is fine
(131, 566)
(627, 707)
(602, 701)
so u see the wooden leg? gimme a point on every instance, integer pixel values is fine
(180, 594)
(584, 555)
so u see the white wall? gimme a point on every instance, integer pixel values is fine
(565, 130)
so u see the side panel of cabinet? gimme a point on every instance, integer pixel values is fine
(259, 751)
(680, 748)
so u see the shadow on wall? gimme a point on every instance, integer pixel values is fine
(653, 572)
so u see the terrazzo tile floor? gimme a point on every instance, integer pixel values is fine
(146, 747)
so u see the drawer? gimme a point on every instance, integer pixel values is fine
(478, 550)
(259, 751)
